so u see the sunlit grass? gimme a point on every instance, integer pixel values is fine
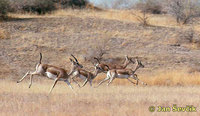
(113, 100)
(4, 34)
(163, 20)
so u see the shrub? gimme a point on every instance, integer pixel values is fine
(187, 36)
(40, 6)
(45, 6)
(72, 3)
(184, 10)
(4, 8)
(143, 7)
(35, 6)
(150, 6)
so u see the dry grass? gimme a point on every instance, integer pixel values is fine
(107, 101)
(121, 15)
(177, 77)
(4, 34)
(173, 77)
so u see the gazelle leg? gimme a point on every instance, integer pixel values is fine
(137, 82)
(31, 78)
(142, 82)
(23, 77)
(76, 82)
(69, 80)
(107, 78)
(110, 81)
(85, 82)
(135, 77)
(112, 77)
(56, 80)
(90, 83)
(68, 83)
(130, 81)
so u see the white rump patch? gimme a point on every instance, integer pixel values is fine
(39, 69)
(51, 76)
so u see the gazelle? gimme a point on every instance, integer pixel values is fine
(123, 74)
(52, 72)
(104, 66)
(88, 76)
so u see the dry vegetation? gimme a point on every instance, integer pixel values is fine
(114, 100)
(4, 34)
(171, 66)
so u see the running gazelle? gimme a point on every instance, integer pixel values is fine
(104, 66)
(52, 72)
(86, 75)
(123, 74)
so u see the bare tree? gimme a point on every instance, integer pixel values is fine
(96, 50)
(184, 10)
(143, 19)
(142, 7)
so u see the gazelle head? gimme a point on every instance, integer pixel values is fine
(97, 65)
(75, 64)
(138, 65)
(101, 69)
(98, 69)
(128, 60)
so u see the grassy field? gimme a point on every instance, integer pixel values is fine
(113, 100)
(171, 62)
